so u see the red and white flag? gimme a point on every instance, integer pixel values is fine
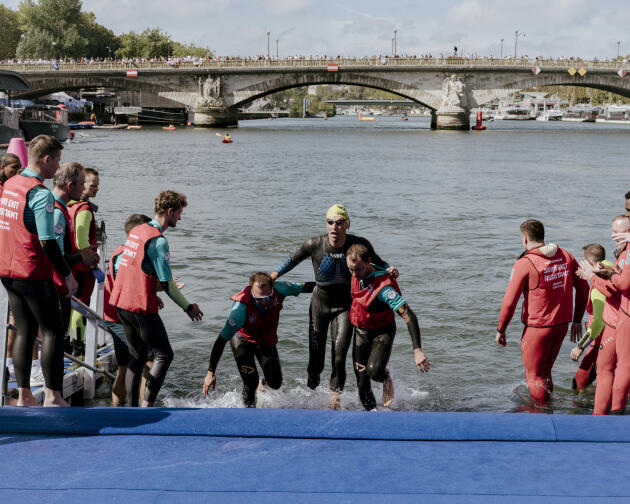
(333, 68)
(621, 72)
(132, 73)
(536, 70)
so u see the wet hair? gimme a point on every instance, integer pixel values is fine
(534, 230)
(67, 172)
(628, 195)
(594, 252)
(9, 159)
(90, 171)
(135, 220)
(261, 278)
(358, 251)
(169, 199)
(43, 145)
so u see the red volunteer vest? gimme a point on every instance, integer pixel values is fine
(360, 314)
(109, 311)
(257, 327)
(133, 289)
(611, 308)
(60, 283)
(551, 302)
(21, 254)
(74, 210)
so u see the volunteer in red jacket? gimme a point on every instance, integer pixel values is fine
(28, 255)
(121, 351)
(375, 298)
(618, 282)
(546, 276)
(68, 185)
(84, 224)
(251, 330)
(145, 261)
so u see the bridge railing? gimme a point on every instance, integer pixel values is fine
(235, 63)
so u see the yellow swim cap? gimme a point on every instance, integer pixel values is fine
(338, 210)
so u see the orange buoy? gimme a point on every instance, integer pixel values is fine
(479, 126)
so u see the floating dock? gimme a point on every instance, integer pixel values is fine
(308, 456)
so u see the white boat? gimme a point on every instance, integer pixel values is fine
(581, 113)
(615, 114)
(513, 112)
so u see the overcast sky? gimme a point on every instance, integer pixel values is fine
(585, 28)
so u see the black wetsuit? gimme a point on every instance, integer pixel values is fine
(330, 303)
(370, 354)
(145, 333)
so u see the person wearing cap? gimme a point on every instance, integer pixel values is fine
(331, 300)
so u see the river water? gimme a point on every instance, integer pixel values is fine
(444, 207)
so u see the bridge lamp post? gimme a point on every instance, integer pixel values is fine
(277, 40)
(110, 51)
(516, 35)
(53, 49)
(618, 44)
(392, 47)
(395, 43)
(268, 33)
(501, 48)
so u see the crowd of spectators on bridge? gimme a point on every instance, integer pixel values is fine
(382, 59)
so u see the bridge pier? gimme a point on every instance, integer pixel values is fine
(450, 120)
(205, 117)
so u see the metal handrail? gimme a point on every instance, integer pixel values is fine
(235, 63)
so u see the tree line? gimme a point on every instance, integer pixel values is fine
(48, 29)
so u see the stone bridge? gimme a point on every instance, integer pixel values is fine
(216, 89)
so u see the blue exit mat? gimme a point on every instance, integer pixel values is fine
(122, 455)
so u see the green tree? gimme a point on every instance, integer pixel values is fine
(57, 19)
(101, 41)
(181, 50)
(35, 44)
(151, 43)
(9, 34)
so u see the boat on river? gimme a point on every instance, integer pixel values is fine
(110, 126)
(513, 112)
(45, 120)
(615, 114)
(581, 113)
(9, 125)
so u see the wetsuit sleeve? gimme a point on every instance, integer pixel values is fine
(288, 288)
(217, 351)
(581, 294)
(159, 255)
(391, 298)
(519, 279)
(42, 204)
(298, 256)
(412, 325)
(53, 252)
(175, 294)
(82, 222)
(60, 225)
(597, 325)
(235, 321)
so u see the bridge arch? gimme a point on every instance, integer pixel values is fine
(242, 96)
